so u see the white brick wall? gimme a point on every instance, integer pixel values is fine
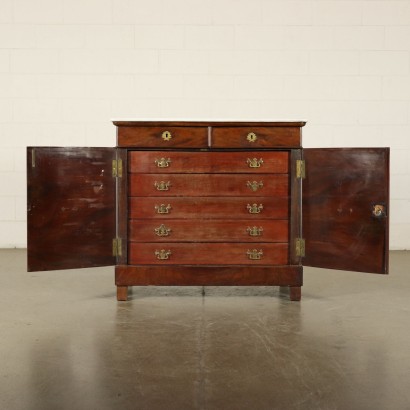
(68, 66)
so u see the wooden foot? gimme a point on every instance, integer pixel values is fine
(122, 293)
(295, 293)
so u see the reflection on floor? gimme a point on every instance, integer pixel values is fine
(66, 343)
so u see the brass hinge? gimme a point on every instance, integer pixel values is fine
(117, 168)
(116, 247)
(33, 157)
(300, 169)
(300, 247)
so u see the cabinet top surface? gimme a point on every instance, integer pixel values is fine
(205, 122)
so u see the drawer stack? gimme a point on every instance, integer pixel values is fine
(208, 208)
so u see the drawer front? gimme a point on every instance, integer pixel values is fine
(208, 185)
(211, 207)
(208, 162)
(208, 253)
(163, 137)
(257, 137)
(202, 230)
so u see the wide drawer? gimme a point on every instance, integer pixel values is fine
(208, 230)
(208, 253)
(208, 185)
(256, 137)
(208, 162)
(210, 207)
(163, 137)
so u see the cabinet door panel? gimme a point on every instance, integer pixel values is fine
(345, 209)
(71, 202)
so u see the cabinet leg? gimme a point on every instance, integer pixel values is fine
(295, 293)
(122, 293)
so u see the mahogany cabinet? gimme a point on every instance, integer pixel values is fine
(208, 203)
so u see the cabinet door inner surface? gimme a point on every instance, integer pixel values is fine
(71, 208)
(345, 209)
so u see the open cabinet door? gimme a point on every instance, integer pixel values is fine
(71, 208)
(345, 209)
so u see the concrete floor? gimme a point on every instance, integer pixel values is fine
(66, 343)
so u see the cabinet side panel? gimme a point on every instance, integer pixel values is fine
(70, 208)
(346, 208)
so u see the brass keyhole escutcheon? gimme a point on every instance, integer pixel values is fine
(254, 185)
(251, 137)
(162, 185)
(254, 208)
(379, 211)
(254, 254)
(166, 135)
(254, 162)
(162, 209)
(254, 231)
(162, 254)
(162, 162)
(162, 230)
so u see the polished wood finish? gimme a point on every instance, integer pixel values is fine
(209, 207)
(339, 192)
(209, 230)
(70, 208)
(151, 137)
(208, 253)
(267, 137)
(126, 275)
(208, 162)
(186, 185)
(73, 217)
(210, 123)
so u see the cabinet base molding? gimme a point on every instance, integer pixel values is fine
(142, 275)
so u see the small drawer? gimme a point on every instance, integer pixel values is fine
(256, 137)
(209, 162)
(162, 137)
(208, 253)
(210, 207)
(208, 230)
(208, 185)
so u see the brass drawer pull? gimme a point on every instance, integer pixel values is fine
(162, 185)
(254, 254)
(254, 185)
(162, 254)
(166, 135)
(254, 208)
(162, 230)
(162, 162)
(162, 209)
(254, 231)
(251, 137)
(254, 162)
